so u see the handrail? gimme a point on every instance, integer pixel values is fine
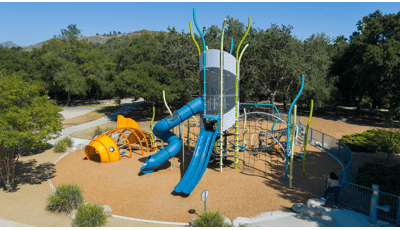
(351, 158)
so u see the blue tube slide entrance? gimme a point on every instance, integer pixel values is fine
(162, 131)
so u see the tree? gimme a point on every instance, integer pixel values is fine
(147, 80)
(317, 85)
(18, 48)
(275, 61)
(97, 34)
(75, 65)
(39, 70)
(348, 66)
(380, 34)
(138, 71)
(113, 46)
(70, 31)
(27, 120)
(13, 61)
(370, 65)
(180, 56)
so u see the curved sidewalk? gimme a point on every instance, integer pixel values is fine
(125, 109)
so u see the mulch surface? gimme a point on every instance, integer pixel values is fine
(257, 186)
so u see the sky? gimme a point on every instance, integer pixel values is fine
(27, 23)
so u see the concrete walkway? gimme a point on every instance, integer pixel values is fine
(75, 112)
(337, 218)
(127, 106)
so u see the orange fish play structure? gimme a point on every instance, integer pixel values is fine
(107, 146)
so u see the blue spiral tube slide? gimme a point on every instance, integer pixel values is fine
(162, 131)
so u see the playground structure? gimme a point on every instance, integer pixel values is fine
(262, 141)
(218, 106)
(109, 146)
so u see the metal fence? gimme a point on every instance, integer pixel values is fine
(355, 196)
(334, 147)
(394, 203)
(352, 195)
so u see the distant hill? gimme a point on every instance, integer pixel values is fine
(8, 44)
(97, 39)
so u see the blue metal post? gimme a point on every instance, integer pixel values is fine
(231, 46)
(204, 62)
(288, 126)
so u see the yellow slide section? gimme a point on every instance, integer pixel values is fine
(123, 122)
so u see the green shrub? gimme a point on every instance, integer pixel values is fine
(68, 140)
(66, 198)
(384, 176)
(90, 215)
(117, 100)
(62, 145)
(99, 130)
(370, 141)
(210, 219)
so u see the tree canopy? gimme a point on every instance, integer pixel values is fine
(27, 121)
(368, 67)
(71, 30)
(361, 70)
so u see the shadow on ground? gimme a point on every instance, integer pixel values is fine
(29, 172)
(36, 151)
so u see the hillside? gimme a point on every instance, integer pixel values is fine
(8, 44)
(97, 39)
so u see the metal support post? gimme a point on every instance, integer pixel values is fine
(374, 204)
(398, 212)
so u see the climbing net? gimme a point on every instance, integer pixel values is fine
(262, 142)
